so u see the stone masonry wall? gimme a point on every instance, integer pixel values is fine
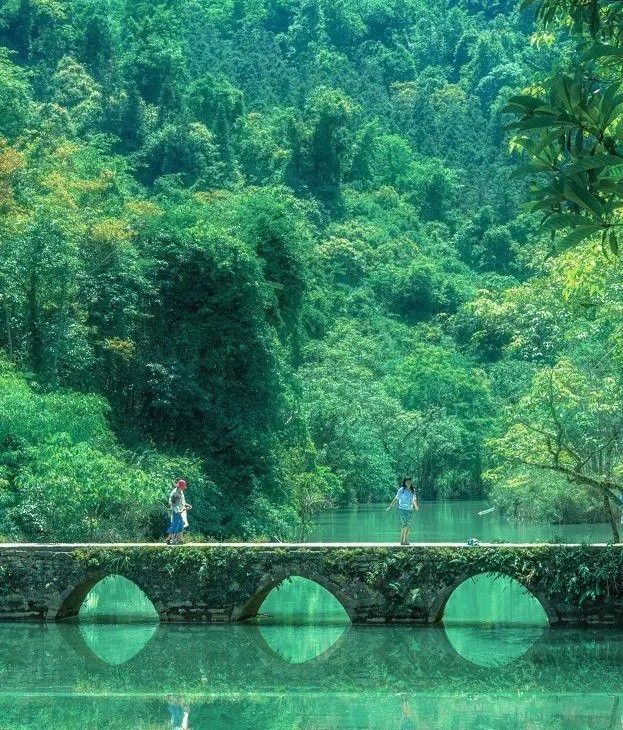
(576, 585)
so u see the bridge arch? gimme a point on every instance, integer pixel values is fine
(268, 582)
(438, 606)
(68, 603)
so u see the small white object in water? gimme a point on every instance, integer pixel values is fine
(486, 511)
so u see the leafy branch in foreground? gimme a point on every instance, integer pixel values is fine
(570, 126)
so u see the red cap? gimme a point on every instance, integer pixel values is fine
(182, 484)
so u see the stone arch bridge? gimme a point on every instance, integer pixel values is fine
(375, 583)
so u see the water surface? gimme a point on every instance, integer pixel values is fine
(445, 522)
(227, 677)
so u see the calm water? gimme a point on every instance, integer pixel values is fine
(445, 522)
(494, 665)
(222, 678)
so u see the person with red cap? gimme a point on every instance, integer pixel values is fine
(179, 507)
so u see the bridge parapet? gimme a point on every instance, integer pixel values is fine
(376, 583)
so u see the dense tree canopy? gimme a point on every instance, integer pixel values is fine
(275, 246)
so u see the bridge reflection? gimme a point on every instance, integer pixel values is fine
(231, 659)
(300, 621)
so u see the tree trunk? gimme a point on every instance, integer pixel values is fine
(611, 518)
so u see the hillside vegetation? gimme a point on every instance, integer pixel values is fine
(276, 247)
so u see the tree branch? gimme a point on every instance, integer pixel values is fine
(575, 476)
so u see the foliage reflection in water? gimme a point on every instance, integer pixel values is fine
(226, 677)
(300, 620)
(363, 711)
(219, 677)
(116, 643)
(494, 646)
(117, 620)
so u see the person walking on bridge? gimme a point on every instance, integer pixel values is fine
(407, 502)
(179, 507)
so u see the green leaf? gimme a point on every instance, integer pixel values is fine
(611, 186)
(544, 204)
(567, 91)
(537, 165)
(564, 220)
(541, 122)
(601, 50)
(523, 103)
(574, 191)
(577, 235)
(610, 103)
(614, 243)
(594, 162)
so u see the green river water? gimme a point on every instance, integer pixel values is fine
(301, 666)
(446, 522)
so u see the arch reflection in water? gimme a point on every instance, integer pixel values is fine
(300, 620)
(491, 620)
(492, 646)
(117, 620)
(116, 643)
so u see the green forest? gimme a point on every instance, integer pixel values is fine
(292, 250)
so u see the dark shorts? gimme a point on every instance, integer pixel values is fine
(406, 515)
